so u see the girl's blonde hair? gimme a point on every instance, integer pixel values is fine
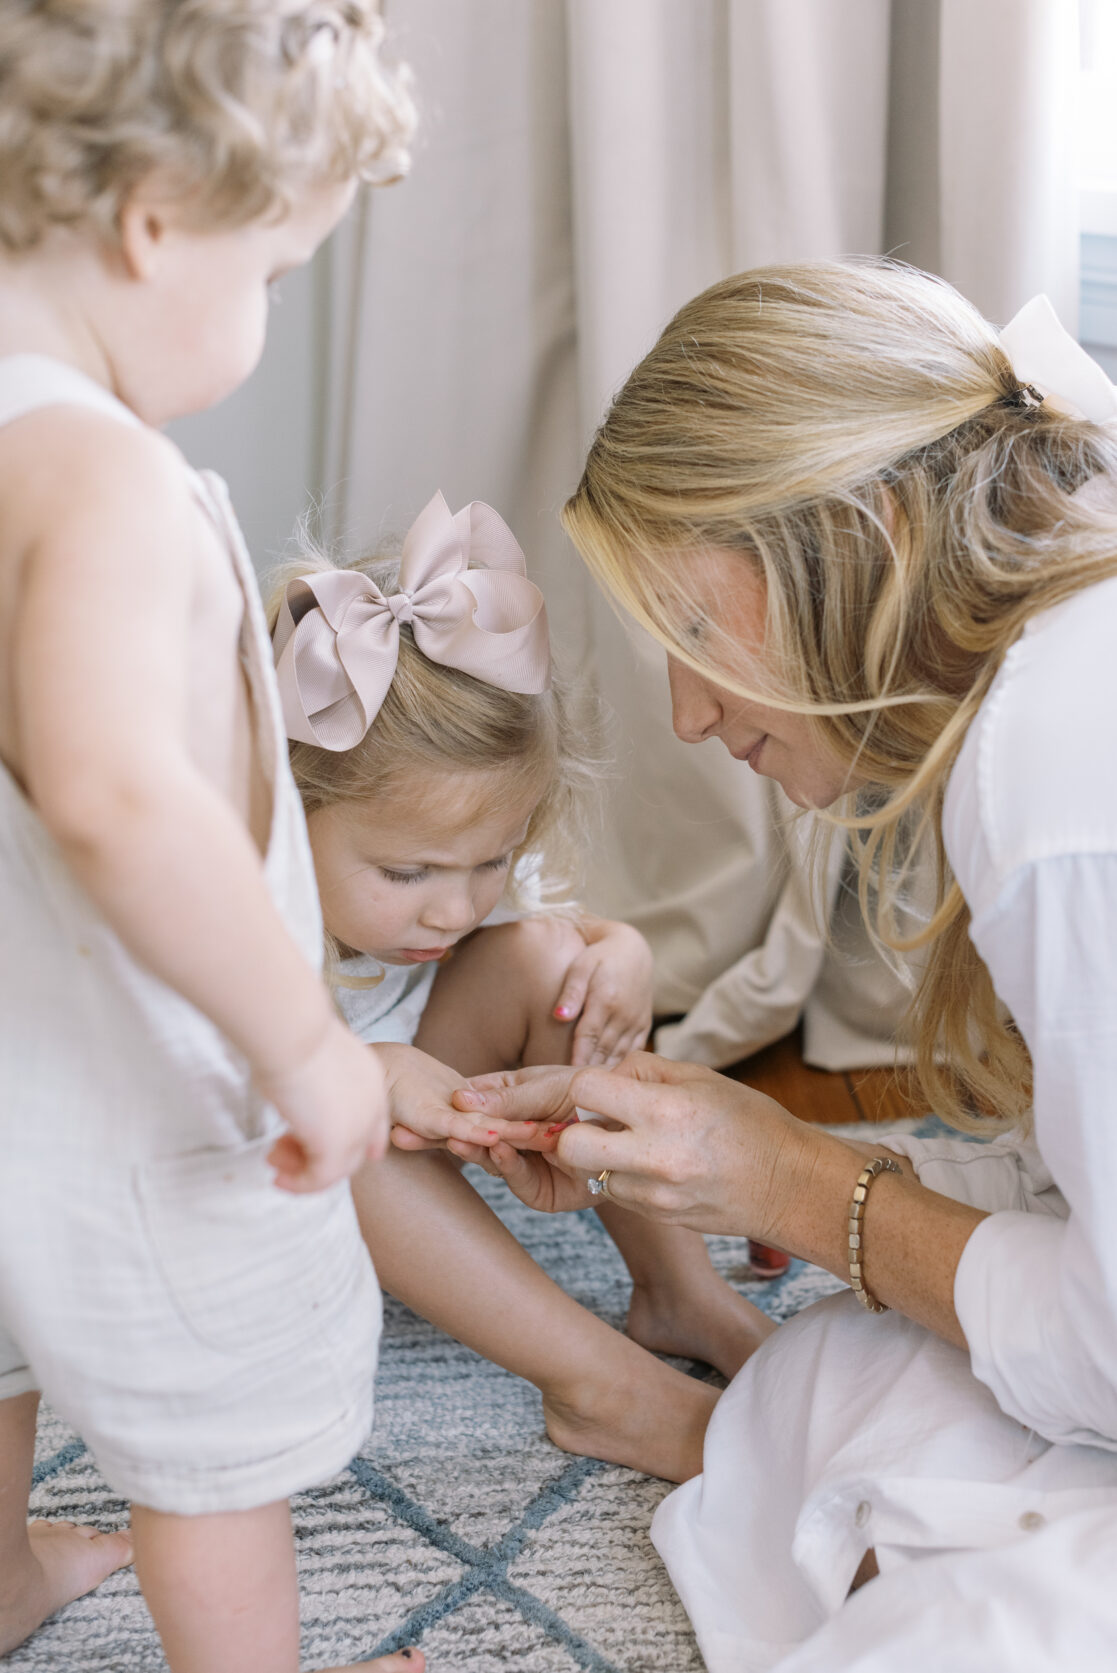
(238, 102)
(437, 720)
(855, 431)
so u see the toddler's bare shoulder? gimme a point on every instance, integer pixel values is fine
(73, 480)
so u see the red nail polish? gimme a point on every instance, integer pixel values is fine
(492, 1133)
(562, 1012)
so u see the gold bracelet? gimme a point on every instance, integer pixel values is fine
(879, 1164)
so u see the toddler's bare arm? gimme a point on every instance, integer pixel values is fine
(102, 653)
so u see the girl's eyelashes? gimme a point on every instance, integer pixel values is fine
(500, 864)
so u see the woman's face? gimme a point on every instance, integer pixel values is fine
(730, 592)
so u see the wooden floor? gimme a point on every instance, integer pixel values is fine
(816, 1095)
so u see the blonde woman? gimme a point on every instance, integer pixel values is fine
(884, 566)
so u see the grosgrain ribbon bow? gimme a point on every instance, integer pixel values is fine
(1044, 354)
(337, 636)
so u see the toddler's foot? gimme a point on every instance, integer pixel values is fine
(62, 1563)
(717, 1326)
(648, 1417)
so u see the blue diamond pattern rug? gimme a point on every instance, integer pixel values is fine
(459, 1527)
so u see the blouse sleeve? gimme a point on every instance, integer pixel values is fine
(1036, 1295)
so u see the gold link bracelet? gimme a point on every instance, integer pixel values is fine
(878, 1165)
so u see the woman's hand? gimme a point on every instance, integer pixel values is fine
(687, 1145)
(536, 1177)
(419, 1090)
(609, 989)
(693, 1148)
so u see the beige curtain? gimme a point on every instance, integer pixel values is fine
(583, 167)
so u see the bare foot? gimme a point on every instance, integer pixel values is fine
(62, 1563)
(718, 1326)
(654, 1420)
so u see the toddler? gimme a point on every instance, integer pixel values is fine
(164, 1034)
(439, 770)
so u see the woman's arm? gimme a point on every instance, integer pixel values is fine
(696, 1149)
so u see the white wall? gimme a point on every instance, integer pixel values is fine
(265, 439)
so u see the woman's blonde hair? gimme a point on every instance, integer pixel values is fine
(436, 721)
(238, 102)
(856, 433)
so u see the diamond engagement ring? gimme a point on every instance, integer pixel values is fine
(599, 1187)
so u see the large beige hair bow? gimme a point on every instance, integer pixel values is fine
(337, 636)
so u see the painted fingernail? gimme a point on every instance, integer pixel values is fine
(492, 1132)
(557, 1128)
(562, 1012)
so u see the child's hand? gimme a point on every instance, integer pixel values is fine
(336, 1108)
(419, 1091)
(609, 989)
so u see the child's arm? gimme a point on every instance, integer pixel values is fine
(102, 649)
(609, 989)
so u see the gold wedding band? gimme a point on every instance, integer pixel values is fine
(599, 1187)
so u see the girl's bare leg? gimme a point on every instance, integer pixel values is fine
(223, 1594)
(679, 1303)
(42, 1564)
(490, 1008)
(439, 1248)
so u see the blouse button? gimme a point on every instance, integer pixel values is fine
(862, 1513)
(1031, 1520)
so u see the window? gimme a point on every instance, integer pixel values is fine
(1098, 180)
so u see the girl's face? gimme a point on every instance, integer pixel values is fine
(406, 885)
(729, 591)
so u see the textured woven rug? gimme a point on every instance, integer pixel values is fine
(459, 1526)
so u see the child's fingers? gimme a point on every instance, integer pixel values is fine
(470, 1153)
(574, 987)
(404, 1138)
(595, 1026)
(632, 1041)
(297, 1169)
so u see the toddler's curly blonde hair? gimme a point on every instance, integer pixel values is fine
(237, 102)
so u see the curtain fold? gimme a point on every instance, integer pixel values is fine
(583, 167)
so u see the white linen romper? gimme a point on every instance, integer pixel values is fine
(212, 1338)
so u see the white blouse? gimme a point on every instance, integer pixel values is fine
(985, 1482)
(1031, 830)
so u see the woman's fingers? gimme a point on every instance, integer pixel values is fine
(541, 1094)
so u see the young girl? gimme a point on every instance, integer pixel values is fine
(439, 771)
(163, 1032)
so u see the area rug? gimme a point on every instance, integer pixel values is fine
(459, 1527)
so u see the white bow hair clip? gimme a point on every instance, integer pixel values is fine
(1045, 355)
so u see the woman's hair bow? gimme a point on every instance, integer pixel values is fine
(337, 636)
(1046, 357)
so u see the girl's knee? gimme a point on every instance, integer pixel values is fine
(539, 950)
